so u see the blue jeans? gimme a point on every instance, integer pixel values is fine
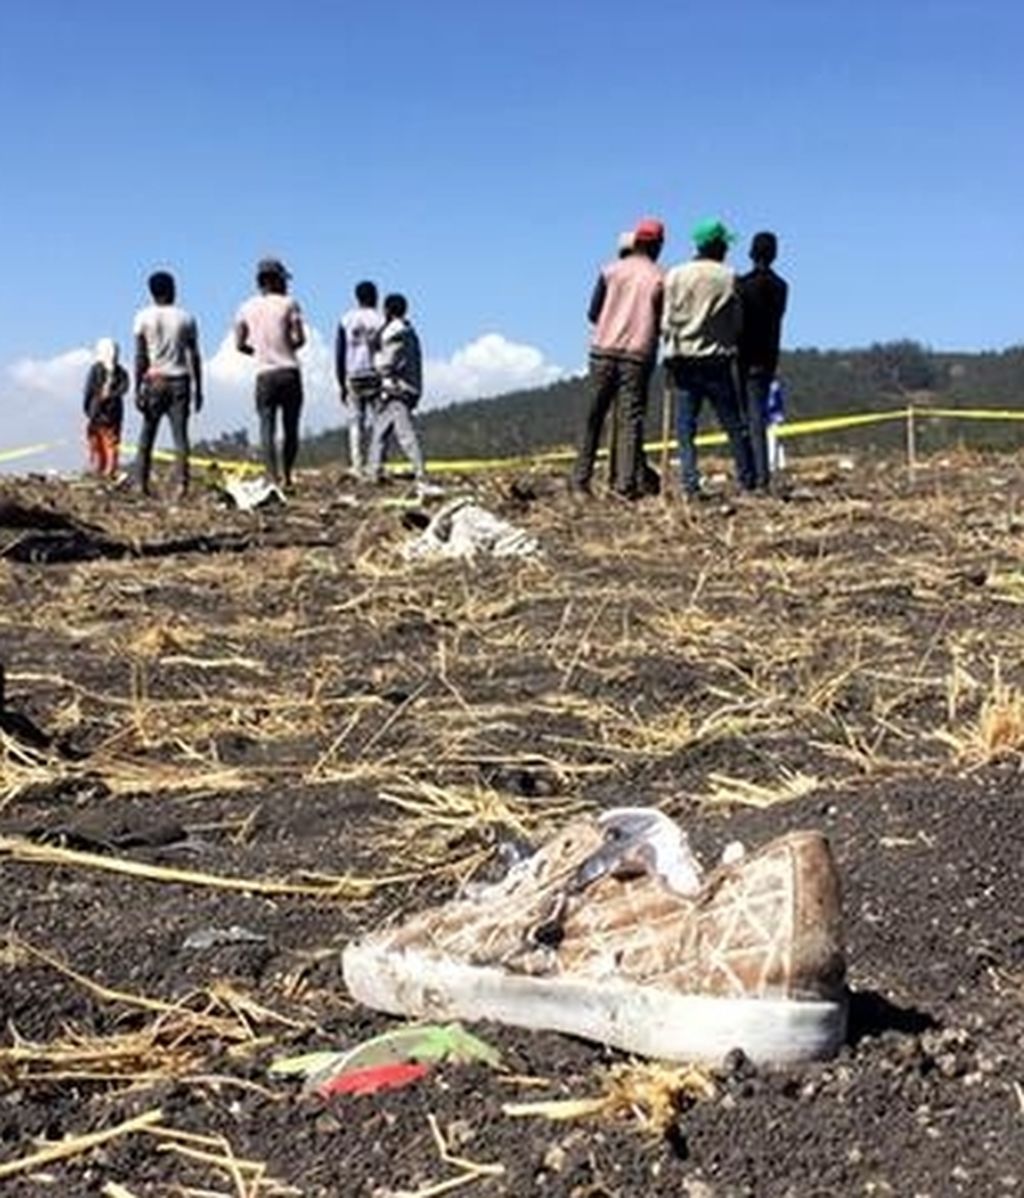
(695, 380)
(755, 383)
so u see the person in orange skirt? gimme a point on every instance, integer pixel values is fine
(105, 387)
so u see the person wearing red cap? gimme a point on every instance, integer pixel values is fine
(625, 310)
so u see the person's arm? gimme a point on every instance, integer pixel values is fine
(340, 352)
(658, 304)
(141, 364)
(120, 383)
(90, 387)
(597, 299)
(196, 365)
(737, 311)
(784, 298)
(242, 342)
(387, 356)
(296, 329)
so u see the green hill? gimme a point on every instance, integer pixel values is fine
(819, 382)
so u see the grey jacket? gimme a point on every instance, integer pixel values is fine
(400, 362)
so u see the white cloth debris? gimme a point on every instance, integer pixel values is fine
(647, 834)
(463, 529)
(248, 494)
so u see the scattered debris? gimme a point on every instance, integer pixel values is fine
(374, 1079)
(463, 529)
(216, 937)
(372, 1063)
(251, 494)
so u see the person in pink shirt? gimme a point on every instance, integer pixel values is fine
(625, 310)
(269, 328)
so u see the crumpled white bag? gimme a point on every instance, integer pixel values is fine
(248, 494)
(463, 529)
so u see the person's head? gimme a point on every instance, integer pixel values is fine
(627, 243)
(649, 237)
(711, 239)
(395, 306)
(366, 294)
(763, 248)
(161, 287)
(272, 276)
(107, 352)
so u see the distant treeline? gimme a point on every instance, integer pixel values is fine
(818, 383)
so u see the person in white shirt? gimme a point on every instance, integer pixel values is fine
(269, 328)
(355, 349)
(168, 377)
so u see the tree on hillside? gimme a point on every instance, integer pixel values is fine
(902, 366)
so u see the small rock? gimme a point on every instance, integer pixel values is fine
(949, 1064)
(554, 1158)
(694, 1188)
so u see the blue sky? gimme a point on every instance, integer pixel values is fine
(483, 158)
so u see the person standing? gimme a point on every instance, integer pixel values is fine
(625, 310)
(700, 332)
(355, 350)
(399, 365)
(763, 295)
(269, 329)
(168, 377)
(106, 385)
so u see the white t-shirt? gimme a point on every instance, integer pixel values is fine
(168, 331)
(362, 327)
(270, 319)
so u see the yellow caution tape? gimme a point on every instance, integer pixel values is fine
(228, 465)
(11, 455)
(971, 413)
(793, 428)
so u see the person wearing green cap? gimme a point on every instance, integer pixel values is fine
(700, 328)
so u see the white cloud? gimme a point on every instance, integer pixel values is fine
(43, 395)
(229, 386)
(490, 365)
(54, 378)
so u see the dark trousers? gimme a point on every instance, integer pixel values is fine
(624, 379)
(695, 380)
(279, 391)
(754, 387)
(170, 397)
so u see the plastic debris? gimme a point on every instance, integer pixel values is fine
(248, 494)
(463, 529)
(374, 1079)
(424, 1045)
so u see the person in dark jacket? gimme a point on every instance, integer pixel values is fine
(106, 385)
(763, 295)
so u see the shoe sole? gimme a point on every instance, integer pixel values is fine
(641, 1019)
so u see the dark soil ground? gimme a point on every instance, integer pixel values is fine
(279, 698)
